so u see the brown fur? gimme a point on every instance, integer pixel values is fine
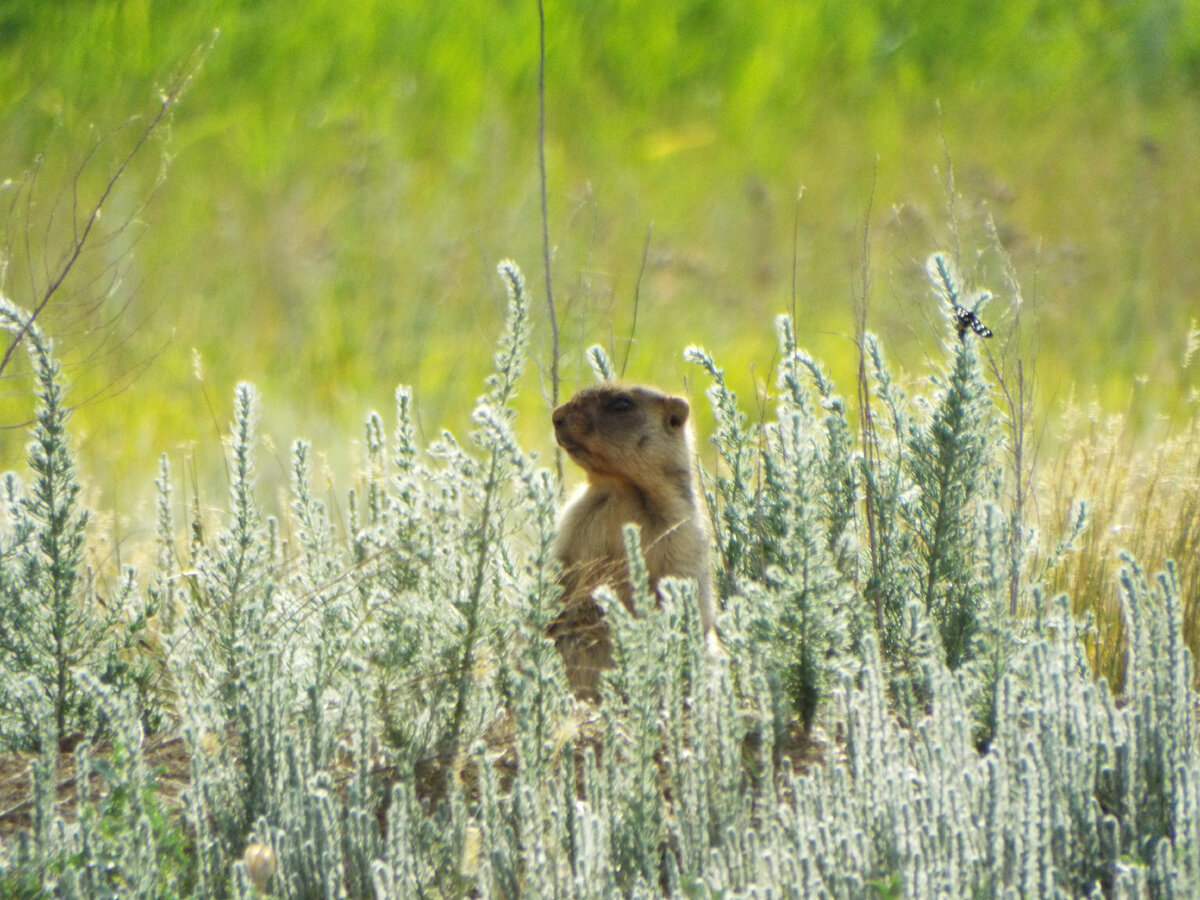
(635, 445)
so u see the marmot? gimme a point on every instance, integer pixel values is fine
(635, 445)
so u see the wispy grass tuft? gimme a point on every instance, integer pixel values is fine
(1143, 501)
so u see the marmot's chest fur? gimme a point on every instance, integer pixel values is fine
(635, 446)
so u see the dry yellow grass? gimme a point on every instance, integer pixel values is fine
(1143, 494)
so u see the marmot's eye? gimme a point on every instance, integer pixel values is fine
(622, 403)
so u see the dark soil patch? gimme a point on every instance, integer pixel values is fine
(164, 755)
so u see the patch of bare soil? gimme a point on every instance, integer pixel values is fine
(164, 755)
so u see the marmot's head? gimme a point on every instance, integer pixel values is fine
(627, 432)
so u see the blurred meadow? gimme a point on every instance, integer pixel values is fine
(343, 178)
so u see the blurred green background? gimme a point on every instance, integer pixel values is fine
(343, 179)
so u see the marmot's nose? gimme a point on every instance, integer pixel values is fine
(559, 415)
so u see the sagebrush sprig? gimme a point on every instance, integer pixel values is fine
(888, 493)
(948, 462)
(53, 627)
(601, 365)
(730, 499)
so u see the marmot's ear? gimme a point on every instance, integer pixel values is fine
(676, 409)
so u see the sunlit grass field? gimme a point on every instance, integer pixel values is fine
(342, 180)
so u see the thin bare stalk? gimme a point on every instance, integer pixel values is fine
(546, 222)
(870, 438)
(796, 257)
(637, 294)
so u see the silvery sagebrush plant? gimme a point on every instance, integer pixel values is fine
(888, 492)
(54, 623)
(432, 539)
(828, 542)
(490, 579)
(949, 458)
(663, 802)
(379, 713)
(251, 656)
(123, 839)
